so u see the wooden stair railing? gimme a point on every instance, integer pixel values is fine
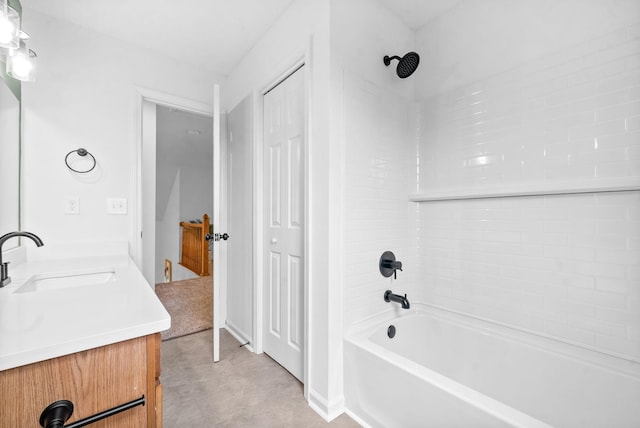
(195, 247)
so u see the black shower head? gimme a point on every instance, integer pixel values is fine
(406, 65)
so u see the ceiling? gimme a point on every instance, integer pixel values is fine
(416, 13)
(214, 34)
(183, 138)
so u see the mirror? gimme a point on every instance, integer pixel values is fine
(9, 156)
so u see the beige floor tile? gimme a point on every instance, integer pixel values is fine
(242, 390)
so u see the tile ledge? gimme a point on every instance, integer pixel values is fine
(538, 189)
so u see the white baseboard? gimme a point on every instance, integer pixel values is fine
(239, 335)
(328, 411)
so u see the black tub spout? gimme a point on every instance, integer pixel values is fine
(390, 297)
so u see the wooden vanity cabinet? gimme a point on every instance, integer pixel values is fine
(94, 380)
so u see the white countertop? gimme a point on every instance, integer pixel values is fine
(59, 320)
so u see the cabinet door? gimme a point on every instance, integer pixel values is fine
(94, 380)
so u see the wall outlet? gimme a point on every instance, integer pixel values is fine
(72, 205)
(116, 205)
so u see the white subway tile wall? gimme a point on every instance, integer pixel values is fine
(572, 115)
(565, 266)
(380, 140)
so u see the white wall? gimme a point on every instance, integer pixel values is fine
(555, 103)
(379, 132)
(303, 25)
(304, 28)
(563, 266)
(84, 97)
(362, 33)
(196, 192)
(377, 118)
(168, 234)
(478, 39)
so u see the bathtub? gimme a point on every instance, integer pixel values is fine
(442, 369)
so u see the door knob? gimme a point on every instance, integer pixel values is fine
(274, 241)
(217, 236)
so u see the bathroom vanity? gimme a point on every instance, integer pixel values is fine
(94, 380)
(82, 329)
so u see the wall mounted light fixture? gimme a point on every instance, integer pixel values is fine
(21, 62)
(9, 26)
(14, 51)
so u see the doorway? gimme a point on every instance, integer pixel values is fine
(184, 204)
(143, 240)
(184, 183)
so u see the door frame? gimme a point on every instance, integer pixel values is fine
(304, 61)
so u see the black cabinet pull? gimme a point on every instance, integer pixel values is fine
(57, 413)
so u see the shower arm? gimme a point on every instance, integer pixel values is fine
(387, 59)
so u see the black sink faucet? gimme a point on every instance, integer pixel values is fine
(390, 297)
(5, 279)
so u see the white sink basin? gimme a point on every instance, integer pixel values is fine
(63, 280)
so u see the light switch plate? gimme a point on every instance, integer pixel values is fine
(116, 205)
(72, 205)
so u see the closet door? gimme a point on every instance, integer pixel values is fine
(284, 142)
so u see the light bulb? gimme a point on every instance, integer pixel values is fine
(7, 30)
(21, 63)
(9, 27)
(21, 66)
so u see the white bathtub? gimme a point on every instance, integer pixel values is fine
(446, 370)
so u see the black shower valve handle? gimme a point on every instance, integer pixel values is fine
(393, 265)
(388, 265)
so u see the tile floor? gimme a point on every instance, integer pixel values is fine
(242, 390)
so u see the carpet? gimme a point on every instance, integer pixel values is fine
(190, 304)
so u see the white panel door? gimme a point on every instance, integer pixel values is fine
(217, 181)
(283, 294)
